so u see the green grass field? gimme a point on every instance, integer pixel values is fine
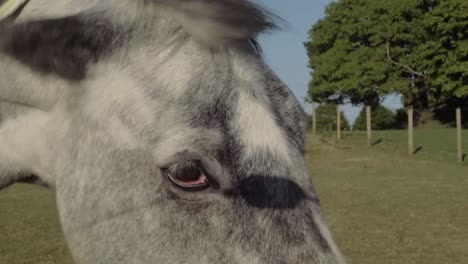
(29, 229)
(388, 208)
(429, 144)
(383, 206)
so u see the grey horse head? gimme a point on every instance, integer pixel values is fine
(165, 136)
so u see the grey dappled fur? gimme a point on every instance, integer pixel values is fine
(158, 84)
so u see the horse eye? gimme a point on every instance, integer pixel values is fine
(188, 175)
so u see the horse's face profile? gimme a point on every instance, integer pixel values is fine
(166, 137)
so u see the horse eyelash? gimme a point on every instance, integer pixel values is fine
(185, 169)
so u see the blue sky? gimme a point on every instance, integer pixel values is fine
(285, 53)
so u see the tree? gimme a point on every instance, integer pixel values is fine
(326, 118)
(404, 33)
(401, 119)
(344, 63)
(365, 49)
(381, 118)
(446, 55)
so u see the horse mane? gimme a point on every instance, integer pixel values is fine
(219, 22)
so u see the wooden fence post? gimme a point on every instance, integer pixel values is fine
(369, 125)
(410, 131)
(314, 120)
(338, 122)
(459, 136)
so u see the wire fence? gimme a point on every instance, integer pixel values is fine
(446, 117)
(436, 131)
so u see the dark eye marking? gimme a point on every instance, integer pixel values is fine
(187, 175)
(63, 46)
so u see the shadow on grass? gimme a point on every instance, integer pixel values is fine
(417, 150)
(378, 141)
(464, 157)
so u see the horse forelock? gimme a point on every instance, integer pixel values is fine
(217, 22)
(68, 44)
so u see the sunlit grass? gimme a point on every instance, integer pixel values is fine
(429, 144)
(385, 207)
(29, 229)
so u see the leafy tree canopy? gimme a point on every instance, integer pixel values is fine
(365, 49)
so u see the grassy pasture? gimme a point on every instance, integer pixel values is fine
(429, 144)
(383, 207)
(29, 228)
